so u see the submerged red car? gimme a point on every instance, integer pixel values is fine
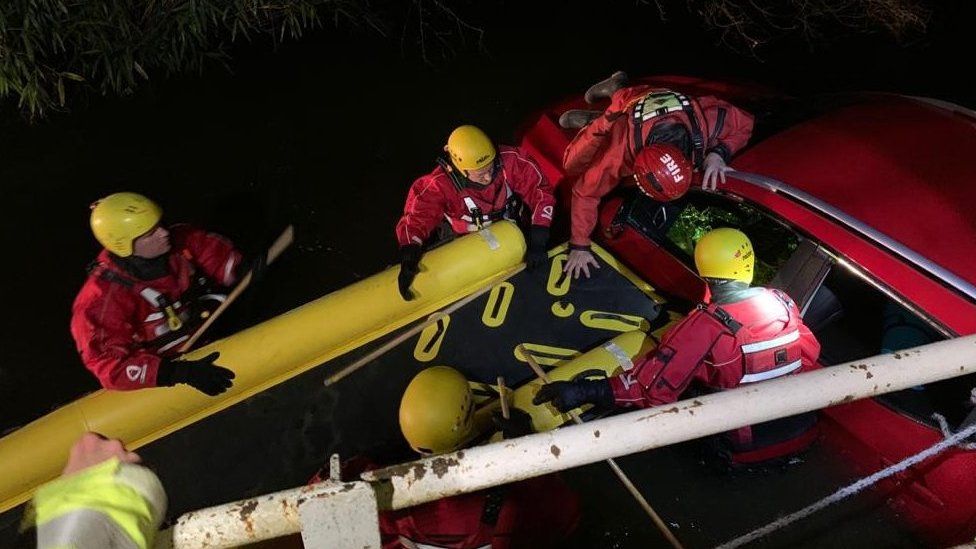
(862, 207)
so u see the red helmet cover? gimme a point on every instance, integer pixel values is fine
(662, 172)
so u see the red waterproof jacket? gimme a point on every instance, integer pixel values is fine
(435, 197)
(119, 322)
(721, 347)
(538, 512)
(603, 152)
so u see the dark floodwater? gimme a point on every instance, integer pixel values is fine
(328, 133)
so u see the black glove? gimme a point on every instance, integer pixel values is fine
(409, 267)
(537, 253)
(203, 375)
(567, 395)
(257, 266)
(518, 423)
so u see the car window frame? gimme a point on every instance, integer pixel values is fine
(839, 261)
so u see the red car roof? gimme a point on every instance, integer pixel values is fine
(904, 166)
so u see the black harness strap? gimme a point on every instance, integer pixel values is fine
(192, 294)
(697, 139)
(725, 318)
(99, 270)
(451, 173)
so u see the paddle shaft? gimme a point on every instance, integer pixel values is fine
(501, 396)
(624, 479)
(432, 319)
(276, 249)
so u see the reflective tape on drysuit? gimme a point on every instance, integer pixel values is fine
(779, 371)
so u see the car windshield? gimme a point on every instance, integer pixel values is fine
(678, 225)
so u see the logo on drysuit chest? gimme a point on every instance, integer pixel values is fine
(672, 167)
(136, 373)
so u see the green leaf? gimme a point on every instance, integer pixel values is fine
(138, 68)
(72, 76)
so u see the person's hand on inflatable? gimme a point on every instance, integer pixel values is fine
(92, 449)
(202, 374)
(409, 267)
(580, 260)
(569, 395)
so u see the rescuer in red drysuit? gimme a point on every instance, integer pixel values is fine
(744, 335)
(708, 130)
(436, 416)
(537, 512)
(473, 187)
(143, 297)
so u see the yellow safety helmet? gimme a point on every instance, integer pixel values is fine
(120, 218)
(725, 253)
(470, 148)
(436, 411)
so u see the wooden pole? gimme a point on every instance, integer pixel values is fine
(624, 479)
(276, 249)
(501, 396)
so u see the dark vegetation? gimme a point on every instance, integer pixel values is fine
(52, 51)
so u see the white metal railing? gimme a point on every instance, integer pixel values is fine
(473, 469)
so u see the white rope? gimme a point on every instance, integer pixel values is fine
(946, 432)
(854, 488)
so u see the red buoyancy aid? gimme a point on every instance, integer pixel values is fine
(169, 308)
(481, 213)
(766, 328)
(537, 512)
(721, 346)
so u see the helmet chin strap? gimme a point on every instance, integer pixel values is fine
(481, 186)
(143, 268)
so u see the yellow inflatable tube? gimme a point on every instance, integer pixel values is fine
(261, 356)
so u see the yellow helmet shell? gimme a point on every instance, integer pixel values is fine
(470, 148)
(436, 411)
(120, 218)
(725, 253)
